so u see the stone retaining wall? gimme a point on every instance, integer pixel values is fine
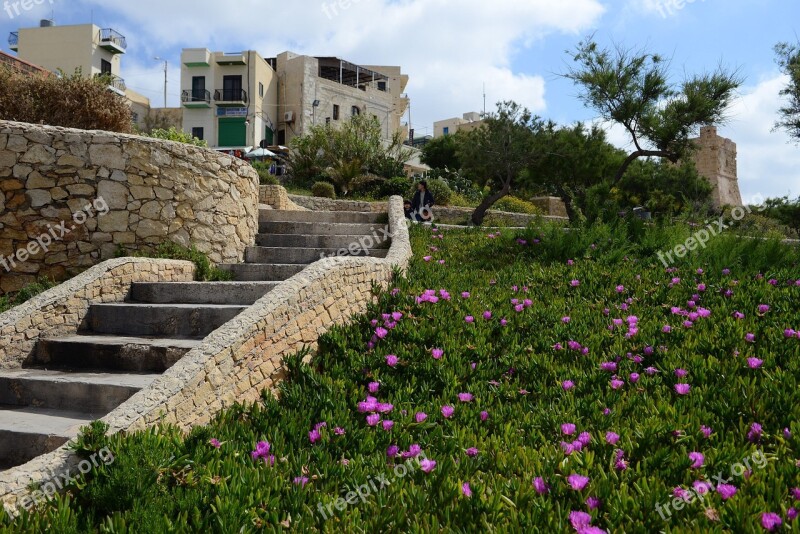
(276, 197)
(246, 355)
(112, 190)
(60, 311)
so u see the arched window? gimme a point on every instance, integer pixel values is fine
(355, 111)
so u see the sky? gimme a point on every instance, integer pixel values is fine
(452, 49)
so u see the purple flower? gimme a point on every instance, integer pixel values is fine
(763, 308)
(484, 416)
(566, 319)
(420, 417)
(437, 353)
(575, 283)
(503, 322)
(373, 387)
(387, 425)
(651, 370)
(466, 491)
(567, 429)
(465, 397)
(579, 520)
(707, 431)
(465, 295)
(616, 383)
(567, 385)
(447, 411)
(577, 482)
(770, 521)
(702, 487)
(749, 337)
(754, 363)
(215, 443)
(391, 360)
(680, 373)
(792, 513)
(682, 389)
(487, 315)
(620, 288)
(427, 465)
(787, 433)
(381, 332)
(372, 419)
(612, 438)
(469, 319)
(610, 367)
(540, 486)
(795, 493)
(584, 438)
(392, 451)
(412, 452)
(755, 432)
(339, 431)
(634, 377)
(666, 329)
(697, 459)
(726, 491)
(301, 481)
(472, 452)
(314, 435)
(593, 503)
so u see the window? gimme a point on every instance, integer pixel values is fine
(135, 117)
(336, 112)
(446, 130)
(105, 67)
(355, 111)
(261, 89)
(198, 133)
(327, 120)
(198, 88)
(281, 137)
(232, 88)
(381, 86)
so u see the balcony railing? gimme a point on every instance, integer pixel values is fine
(113, 41)
(230, 95)
(196, 96)
(13, 40)
(115, 83)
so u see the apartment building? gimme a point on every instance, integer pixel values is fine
(95, 51)
(235, 101)
(469, 121)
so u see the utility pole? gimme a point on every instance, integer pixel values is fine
(166, 65)
(484, 100)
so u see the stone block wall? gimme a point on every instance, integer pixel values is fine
(61, 310)
(276, 197)
(70, 198)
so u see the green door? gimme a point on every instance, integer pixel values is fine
(269, 136)
(232, 131)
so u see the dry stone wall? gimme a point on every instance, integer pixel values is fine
(70, 198)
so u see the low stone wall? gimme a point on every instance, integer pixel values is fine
(552, 206)
(276, 197)
(459, 215)
(246, 355)
(70, 198)
(329, 204)
(60, 311)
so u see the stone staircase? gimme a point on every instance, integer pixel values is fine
(122, 348)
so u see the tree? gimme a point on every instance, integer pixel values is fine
(788, 57)
(785, 211)
(632, 88)
(496, 154)
(441, 153)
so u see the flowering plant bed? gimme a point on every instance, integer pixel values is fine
(534, 381)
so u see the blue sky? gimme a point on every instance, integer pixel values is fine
(450, 48)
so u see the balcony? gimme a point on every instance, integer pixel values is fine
(13, 41)
(115, 83)
(196, 57)
(196, 98)
(234, 58)
(113, 41)
(230, 97)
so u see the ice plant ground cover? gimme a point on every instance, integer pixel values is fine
(543, 380)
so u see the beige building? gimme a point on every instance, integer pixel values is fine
(87, 48)
(716, 160)
(236, 101)
(469, 121)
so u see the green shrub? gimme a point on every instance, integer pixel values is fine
(205, 271)
(173, 134)
(26, 293)
(394, 186)
(264, 176)
(323, 189)
(441, 192)
(516, 205)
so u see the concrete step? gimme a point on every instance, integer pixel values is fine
(26, 433)
(241, 293)
(111, 353)
(321, 228)
(304, 255)
(249, 272)
(322, 216)
(161, 320)
(85, 392)
(321, 241)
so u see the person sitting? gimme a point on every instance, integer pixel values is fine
(407, 208)
(422, 203)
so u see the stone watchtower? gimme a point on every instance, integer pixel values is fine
(716, 160)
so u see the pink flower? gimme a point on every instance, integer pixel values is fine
(792, 513)
(540, 486)
(465, 295)
(381, 332)
(610, 367)
(301, 481)
(465, 397)
(763, 308)
(466, 491)
(339, 431)
(447, 411)
(575, 283)
(616, 383)
(682, 389)
(770, 521)
(707, 431)
(749, 337)
(469, 319)
(373, 387)
(579, 520)
(391, 360)
(620, 288)
(593, 503)
(697, 459)
(472, 452)
(437, 353)
(373, 419)
(567, 429)
(566, 319)
(420, 417)
(666, 329)
(634, 377)
(387, 425)
(680, 373)
(427, 465)
(584, 438)
(503, 322)
(567, 385)
(577, 482)
(651, 371)
(726, 491)
(702, 487)
(487, 315)
(314, 435)
(392, 451)
(612, 438)
(755, 432)
(484, 416)
(412, 452)
(754, 363)
(215, 443)
(427, 258)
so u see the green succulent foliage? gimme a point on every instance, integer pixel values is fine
(165, 481)
(205, 271)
